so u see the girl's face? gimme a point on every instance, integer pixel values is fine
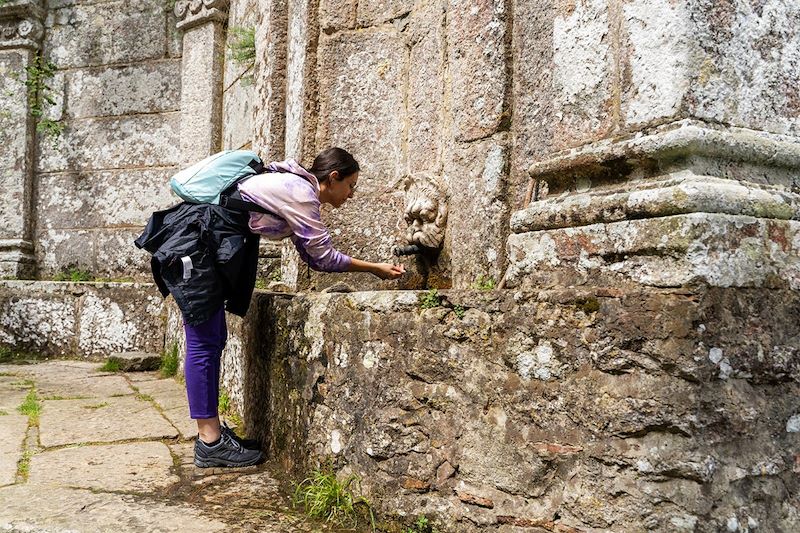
(340, 190)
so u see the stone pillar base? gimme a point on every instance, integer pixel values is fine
(17, 259)
(685, 203)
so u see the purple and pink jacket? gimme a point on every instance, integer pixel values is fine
(292, 193)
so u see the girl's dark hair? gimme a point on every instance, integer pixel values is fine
(334, 159)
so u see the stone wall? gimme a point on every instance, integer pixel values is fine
(562, 410)
(83, 320)
(117, 93)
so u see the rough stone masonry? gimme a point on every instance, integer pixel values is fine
(628, 168)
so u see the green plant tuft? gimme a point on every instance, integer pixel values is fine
(422, 525)
(430, 299)
(224, 402)
(3, 413)
(143, 397)
(484, 283)
(111, 365)
(169, 361)
(459, 311)
(39, 94)
(242, 47)
(31, 408)
(323, 496)
(24, 464)
(73, 274)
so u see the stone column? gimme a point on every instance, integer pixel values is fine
(21, 32)
(269, 73)
(688, 170)
(201, 76)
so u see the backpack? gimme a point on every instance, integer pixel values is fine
(213, 180)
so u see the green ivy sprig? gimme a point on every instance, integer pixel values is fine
(39, 95)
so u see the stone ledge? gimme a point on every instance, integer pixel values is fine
(89, 320)
(676, 193)
(671, 141)
(719, 249)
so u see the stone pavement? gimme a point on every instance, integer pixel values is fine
(113, 452)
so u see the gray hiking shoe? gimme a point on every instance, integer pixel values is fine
(250, 444)
(227, 452)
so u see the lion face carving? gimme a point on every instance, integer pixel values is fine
(426, 210)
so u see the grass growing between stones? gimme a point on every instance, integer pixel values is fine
(143, 397)
(111, 365)
(323, 496)
(24, 466)
(9, 355)
(227, 411)
(3, 413)
(169, 362)
(31, 408)
(74, 275)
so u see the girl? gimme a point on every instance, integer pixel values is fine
(206, 256)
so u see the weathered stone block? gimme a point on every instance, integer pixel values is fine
(583, 72)
(337, 14)
(478, 212)
(115, 32)
(269, 104)
(84, 319)
(426, 91)
(534, 118)
(15, 138)
(99, 199)
(721, 250)
(301, 80)
(139, 466)
(746, 71)
(135, 361)
(59, 250)
(123, 418)
(117, 257)
(142, 88)
(201, 93)
(366, 227)
(362, 102)
(39, 322)
(11, 443)
(113, 143)
(13, 109)
(375, 12)
(658, 52)
(477, 57)
(237, 115)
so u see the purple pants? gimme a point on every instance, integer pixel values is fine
(204, 344)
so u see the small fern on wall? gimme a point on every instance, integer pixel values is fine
(242, 47)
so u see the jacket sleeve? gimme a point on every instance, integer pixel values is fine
(312, 239)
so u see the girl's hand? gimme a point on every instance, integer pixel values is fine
(388, 270)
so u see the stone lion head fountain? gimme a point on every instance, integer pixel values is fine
(425, 211)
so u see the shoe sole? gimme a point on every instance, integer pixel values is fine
(225, 464)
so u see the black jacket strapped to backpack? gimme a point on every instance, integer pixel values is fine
(205, 256)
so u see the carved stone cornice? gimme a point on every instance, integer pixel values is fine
(21, 24)
(192, 13)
